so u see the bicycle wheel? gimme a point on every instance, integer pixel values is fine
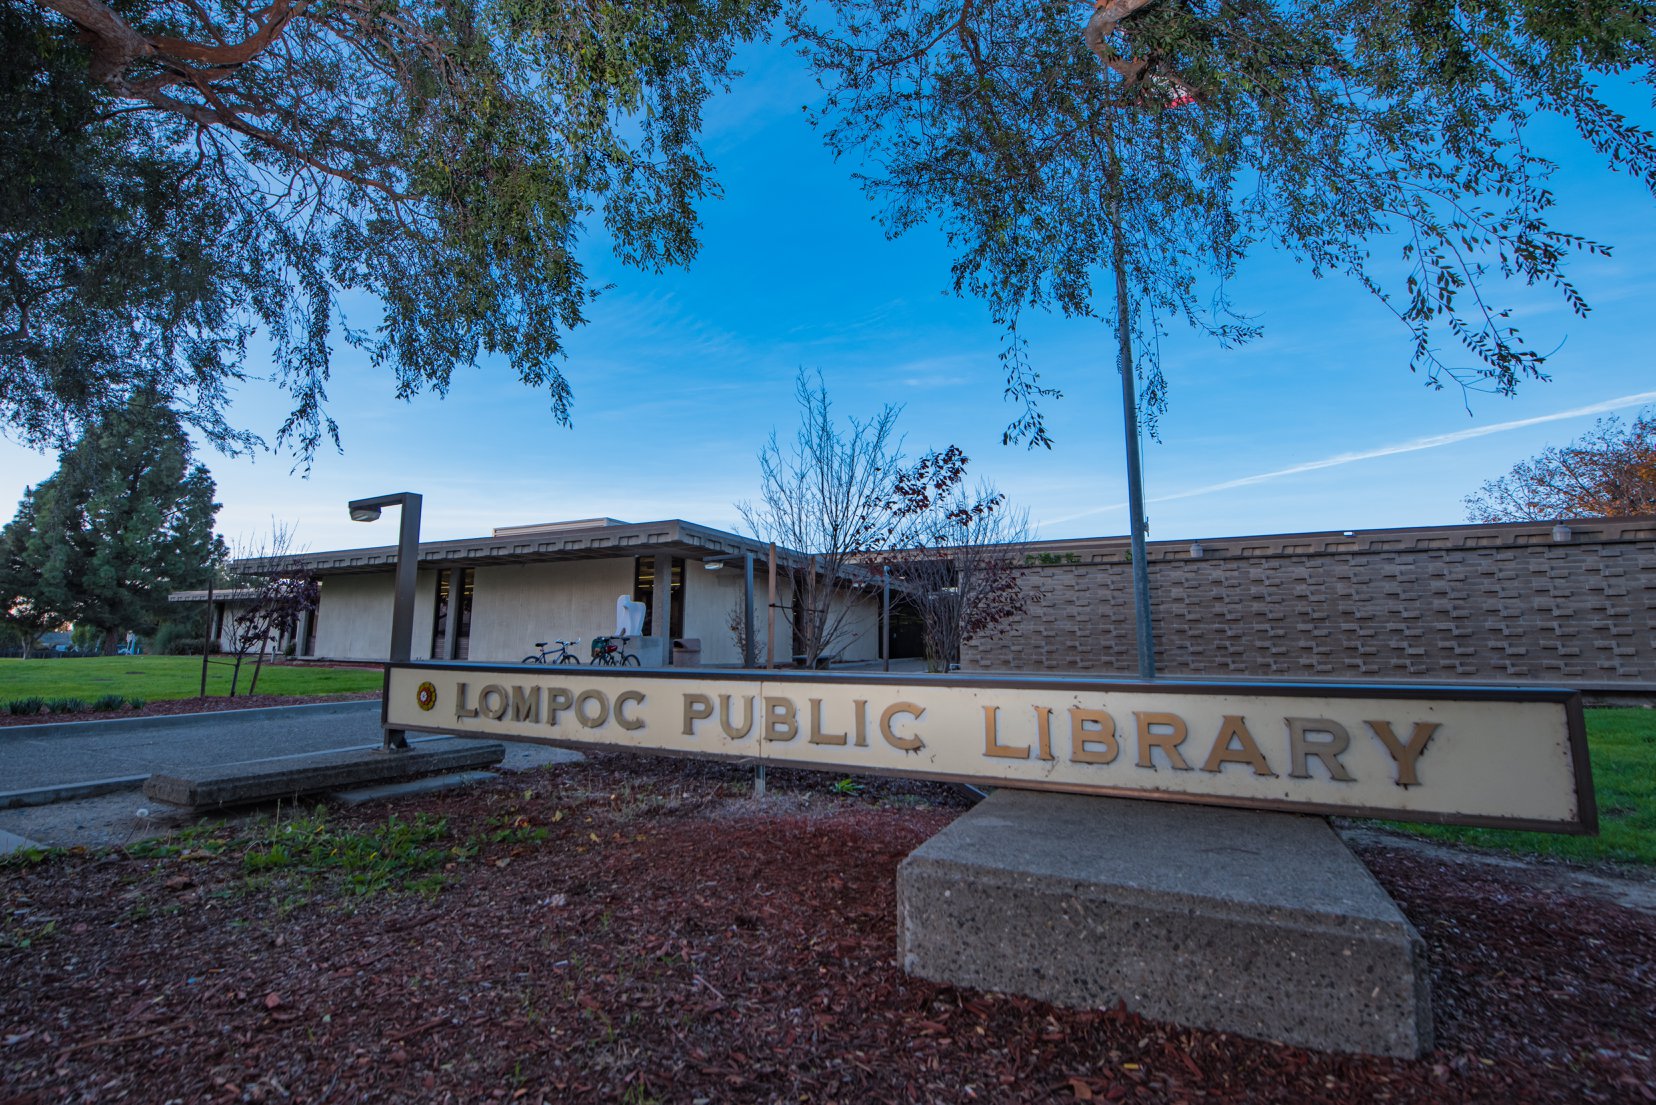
(569, 659)
(629, 661)
(533, 660)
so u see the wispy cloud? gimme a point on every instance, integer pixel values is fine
(1413, 445)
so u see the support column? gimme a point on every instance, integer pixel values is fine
(303, 633)
(451, 623)
(661, 606)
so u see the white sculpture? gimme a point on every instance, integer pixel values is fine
(629, 616)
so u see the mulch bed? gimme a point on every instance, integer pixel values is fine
(634, 930)
(174, 707)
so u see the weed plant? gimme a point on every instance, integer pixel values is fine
(396, 856)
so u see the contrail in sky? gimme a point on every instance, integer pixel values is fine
(1413, 446)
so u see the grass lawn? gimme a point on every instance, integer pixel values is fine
(155, 678)
(1622, 746)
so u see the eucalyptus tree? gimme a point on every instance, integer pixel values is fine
(177, 176)
(1119, 161)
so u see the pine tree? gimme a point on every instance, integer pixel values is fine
(126, 519)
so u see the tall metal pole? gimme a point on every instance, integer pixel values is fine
(207, 637)
(1143, 632)
(408, 568)
(770, 659)
(770, 630)
(749, 655)
(885, 616)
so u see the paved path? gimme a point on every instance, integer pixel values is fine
(75, 783)
(83, 754)
(36, 756)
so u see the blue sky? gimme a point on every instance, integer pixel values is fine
(680, 377)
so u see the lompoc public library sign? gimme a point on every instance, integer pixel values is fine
(1480, 756)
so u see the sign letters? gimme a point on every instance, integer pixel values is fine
(1483, 756)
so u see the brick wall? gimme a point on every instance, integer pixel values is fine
(1501, 602)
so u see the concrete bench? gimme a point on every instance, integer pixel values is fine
(268, 780)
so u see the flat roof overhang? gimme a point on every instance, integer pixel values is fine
(669, 538)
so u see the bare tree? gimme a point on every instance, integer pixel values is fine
(832, 498)
(1610, 471)
(281, 590)
(960, 576)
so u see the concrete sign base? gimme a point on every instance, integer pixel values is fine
(1262, 924)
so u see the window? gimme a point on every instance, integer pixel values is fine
(448, 581)
(644, 592)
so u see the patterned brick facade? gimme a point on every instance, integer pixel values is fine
(1495, 602)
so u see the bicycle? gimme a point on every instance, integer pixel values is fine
(612, 651)
(564, 656)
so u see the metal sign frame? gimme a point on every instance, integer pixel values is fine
(1529, 732)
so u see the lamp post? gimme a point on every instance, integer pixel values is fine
(408, 566)
(885, 615)
(749, 654)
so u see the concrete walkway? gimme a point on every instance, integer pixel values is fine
(44, 763)
(88, 753)
(78, 782)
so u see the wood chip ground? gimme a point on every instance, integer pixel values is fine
(637, 930)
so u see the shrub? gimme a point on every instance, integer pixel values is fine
(184, 646)
(136, 703)
(24, 707)
(66, 705)
(105, 703)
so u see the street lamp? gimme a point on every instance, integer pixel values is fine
(408, 566)
(713, 564)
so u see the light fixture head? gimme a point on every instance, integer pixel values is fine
(712, 565)
(365, 513)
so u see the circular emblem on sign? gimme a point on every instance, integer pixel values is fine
(426, 696)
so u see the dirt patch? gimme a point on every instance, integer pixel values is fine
(621, 930)
(178, 706)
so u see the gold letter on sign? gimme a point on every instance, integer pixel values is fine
(1168, 742)
(1234, 728)
(1301, 748)
(1043, 730)
(907, 744)
(781, 722)
(1089, 728)
(991, 738)
(494, 700)
(697, 707)
(460, 708)
(819, 732)
(727, 722)
(1405, 755)
(628, 698)
(526, 704)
